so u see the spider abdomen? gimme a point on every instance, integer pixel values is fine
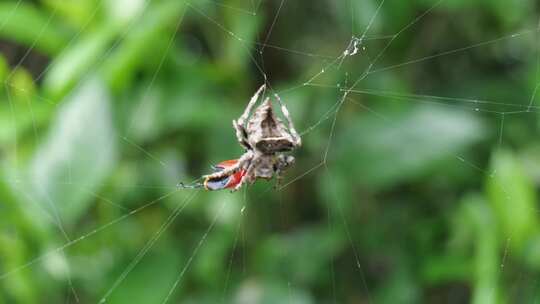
(274, 144)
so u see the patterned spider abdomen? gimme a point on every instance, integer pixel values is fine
(266, 132)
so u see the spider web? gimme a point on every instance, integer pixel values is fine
(360, 59)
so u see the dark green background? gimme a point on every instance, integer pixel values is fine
(419, 187)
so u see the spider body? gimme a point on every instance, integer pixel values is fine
(267, 133)
(265, 138)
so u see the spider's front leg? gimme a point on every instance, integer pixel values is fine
(238, 125)
(242, 119)
(297, 141)
(243, 162)
(241, 135)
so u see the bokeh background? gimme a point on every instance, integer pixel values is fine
(420, 186)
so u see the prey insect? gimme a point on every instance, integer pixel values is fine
(266, 140)
(229, 181)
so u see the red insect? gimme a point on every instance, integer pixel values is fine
(227, 182)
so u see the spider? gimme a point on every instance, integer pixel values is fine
(265, 139)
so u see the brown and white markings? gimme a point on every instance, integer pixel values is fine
(266, 140)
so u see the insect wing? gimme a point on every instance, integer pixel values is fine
(227, 182)
(217, 183)
(225, 164)
(236, 178)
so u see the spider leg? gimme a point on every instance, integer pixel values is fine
(296, 138)
(242, 119)
(242, 162)
(182, 185)
(241, 135)
(238, 124)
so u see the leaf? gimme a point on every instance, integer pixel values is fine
(245, 27)
(512, 196)
(21, 285)
(23, 112)
(285, 255)
(152, 279)
(23, 23)
(383, 152)
(268, 292)
(509, 12)
(123, 11)
(79, 14)
(531, 162)
(486, 248)
(4, 70)
(21, 84)
(140, 44)
(78, 154)
(76, 62)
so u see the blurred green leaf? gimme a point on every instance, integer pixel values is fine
(19, 287)
(285, 255)
(22, 85)
(143, 286)
(30, 114)
(25, 24)
(244, 27)
(78, 154)
(399, 288)
(531, 162)
(21, 113)
(140, 45)
(382, 152)
(483, 224)
(75, 63)
(446, 268)
(513, 199)
(78, 13)
(167, 106)
(22, 224)
(124, 11)
(270, 292)
(4, 71)
(509, 12)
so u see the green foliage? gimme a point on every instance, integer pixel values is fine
(45, 35)
(80, 149)
(513, 198)
(415, 189)
(414, 140)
